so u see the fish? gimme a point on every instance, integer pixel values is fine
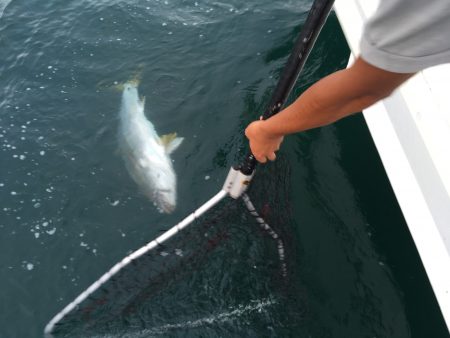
(146, 155)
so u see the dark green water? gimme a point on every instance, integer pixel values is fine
(69, 209)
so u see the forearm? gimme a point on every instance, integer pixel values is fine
(336, 96)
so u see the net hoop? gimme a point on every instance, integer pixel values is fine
(128, 259)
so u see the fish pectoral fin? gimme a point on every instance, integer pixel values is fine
(171, 142)
(166, 139)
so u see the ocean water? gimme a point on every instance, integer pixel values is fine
(69, 209)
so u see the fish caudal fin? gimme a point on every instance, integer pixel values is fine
(171, 142)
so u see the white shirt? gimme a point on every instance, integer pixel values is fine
(406, 36)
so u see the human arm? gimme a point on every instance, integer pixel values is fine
(336, 96)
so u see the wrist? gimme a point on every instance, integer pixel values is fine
(268, 130)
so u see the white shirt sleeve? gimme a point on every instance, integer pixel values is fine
(406, 36)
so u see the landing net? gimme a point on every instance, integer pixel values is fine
(218, 260)
(222, 257)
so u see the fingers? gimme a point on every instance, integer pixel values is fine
(263, 159)
(272, 157)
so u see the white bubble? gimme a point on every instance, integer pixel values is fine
(50, 67)
(36, 234)
(42, 153)
(22, 157)
(179, 252)
(83, 244)
(115, 203)
(29, 266)
(44, 224)
(207, 177)
(13, 193)
(164, 24)
(37, 205)
(51, 232)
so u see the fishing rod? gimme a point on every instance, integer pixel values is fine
(239, 177)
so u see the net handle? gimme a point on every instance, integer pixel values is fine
(308, 35)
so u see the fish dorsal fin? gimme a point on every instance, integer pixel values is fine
(171, 142)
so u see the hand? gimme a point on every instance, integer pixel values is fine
(263, 144)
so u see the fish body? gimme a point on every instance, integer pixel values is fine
(146, 154)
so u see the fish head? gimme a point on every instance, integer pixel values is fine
(131, 102)
(130, 93)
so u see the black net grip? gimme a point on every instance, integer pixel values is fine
(248, 165)
(308, 35)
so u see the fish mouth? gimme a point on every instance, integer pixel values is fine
(133, 82)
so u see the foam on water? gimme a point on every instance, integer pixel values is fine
(222, 317)
(3, 5)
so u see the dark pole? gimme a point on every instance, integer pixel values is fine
(308, 35)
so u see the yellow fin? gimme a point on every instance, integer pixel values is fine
(166, 139)
(171, 142)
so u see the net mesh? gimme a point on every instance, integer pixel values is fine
(222, 268)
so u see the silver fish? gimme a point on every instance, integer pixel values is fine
(146, 154)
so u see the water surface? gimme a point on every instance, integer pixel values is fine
(69, 209)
